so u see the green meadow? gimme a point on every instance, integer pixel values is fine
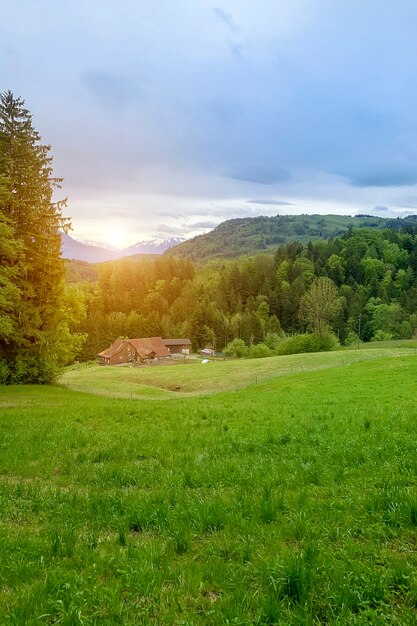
(195, 378)
(276, 491)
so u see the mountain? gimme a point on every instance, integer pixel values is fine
(73, 249)
(251, 235)
(152, 246)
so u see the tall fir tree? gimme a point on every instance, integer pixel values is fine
(37, 336)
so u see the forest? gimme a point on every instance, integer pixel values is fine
(256, 299)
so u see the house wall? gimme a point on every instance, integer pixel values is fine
(122, 356)
(178, 349)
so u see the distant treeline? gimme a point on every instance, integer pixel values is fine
(248, 298)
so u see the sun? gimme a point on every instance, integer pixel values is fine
(117, 236)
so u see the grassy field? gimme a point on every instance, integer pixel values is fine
(291, 501)
(169, 381)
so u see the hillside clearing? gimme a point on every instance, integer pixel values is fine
(181, 379)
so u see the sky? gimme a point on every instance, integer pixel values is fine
(166, 118)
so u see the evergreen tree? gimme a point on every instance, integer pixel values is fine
(39, 337)
(320, 304)
(10, 250)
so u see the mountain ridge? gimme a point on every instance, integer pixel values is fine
(253, 235)
(92, 253)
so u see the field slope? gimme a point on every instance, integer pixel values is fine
(289, 501)
(168, 381)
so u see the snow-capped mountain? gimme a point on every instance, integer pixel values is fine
(152, 246)
(95, 253)
(100, 244)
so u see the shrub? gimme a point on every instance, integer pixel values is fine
(381, 335)
(259, 351)
(351, 339)
(406, 332)
(308, 343)
(236, 348)
(272, 340)
(4, 373)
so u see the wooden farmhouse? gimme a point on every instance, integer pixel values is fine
(142, 350)
(178, 346)
(134, 351)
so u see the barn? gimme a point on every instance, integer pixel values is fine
(178, 346)
(115, 354)
(134, 351)
(148, 348)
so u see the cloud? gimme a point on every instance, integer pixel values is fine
(316, 91)
(122, 214)
(260, 174)
(226, 18)
(236, 49)
(167, 229)
(112, 91)
(270, 201)
(386, 178)
(203, 225)
(409, 202)
(384, 211)
(380, 209)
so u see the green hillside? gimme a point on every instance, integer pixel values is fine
(291, 501)
(195, 378)
(250, 235)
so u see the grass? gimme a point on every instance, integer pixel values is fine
(290, 501)
(164, 382)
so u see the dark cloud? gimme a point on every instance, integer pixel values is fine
(270, 201)
(112, 91)
(386, 178)
(203, 225)
(260, 174)
(167, 229)
(226, 18)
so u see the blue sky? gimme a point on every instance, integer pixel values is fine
(166, 118)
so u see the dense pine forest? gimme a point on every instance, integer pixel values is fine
(259, 299)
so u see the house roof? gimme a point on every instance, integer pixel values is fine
(148, 345)
(114, 349)
(177, 342)
(145, 346)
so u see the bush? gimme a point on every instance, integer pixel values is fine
(406, 332)
(308, 343)
(4, 373)
(381, 335)
(351, 339)
(27, 369)
(259, 351)
(273, 340)
(236, 348)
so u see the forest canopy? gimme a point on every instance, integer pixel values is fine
(370, 274)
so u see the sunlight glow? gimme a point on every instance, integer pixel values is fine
(117, 237)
